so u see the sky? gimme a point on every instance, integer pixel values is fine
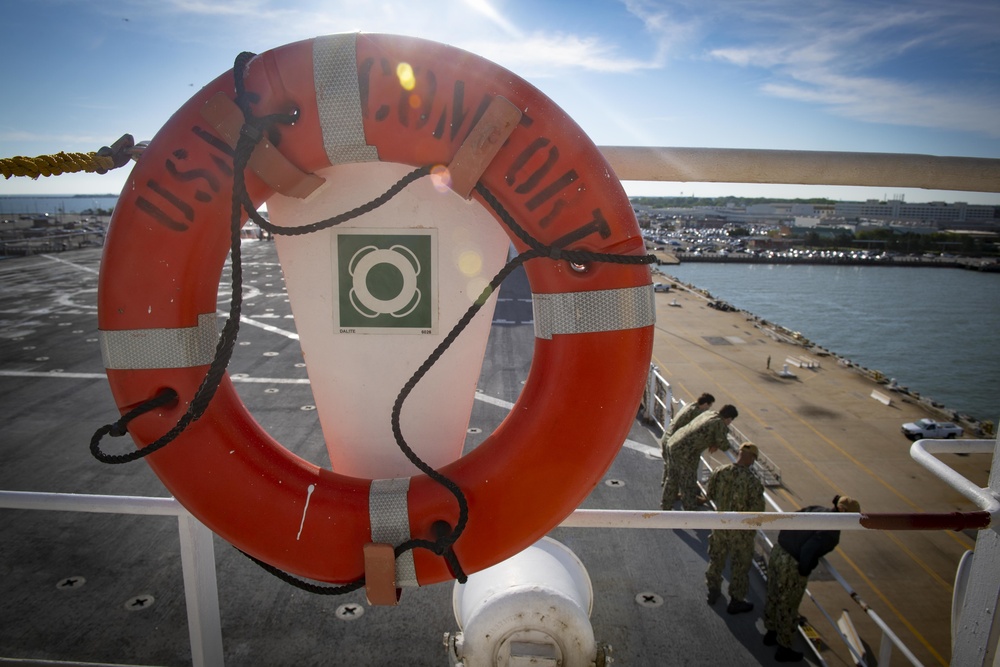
(895, 76)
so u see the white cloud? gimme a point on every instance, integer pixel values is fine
(671, 33)
(853, 60)
(544, 54)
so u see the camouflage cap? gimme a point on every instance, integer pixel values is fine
(848, 504)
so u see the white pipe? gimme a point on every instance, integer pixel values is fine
(709, 520)
(74, 502)
(737, 165)
(922, 452)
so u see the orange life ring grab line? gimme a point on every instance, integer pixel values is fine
(169, 239)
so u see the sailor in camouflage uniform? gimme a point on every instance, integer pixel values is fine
(734, 488)
(709, 430)
(792, 560)
(681, 419)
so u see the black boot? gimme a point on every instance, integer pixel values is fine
(739, 606)
(785, 654)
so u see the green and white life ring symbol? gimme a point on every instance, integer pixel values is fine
(370, 258)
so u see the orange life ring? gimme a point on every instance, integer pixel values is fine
(169, 238)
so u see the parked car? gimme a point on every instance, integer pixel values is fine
(661, 287)
(928, 428)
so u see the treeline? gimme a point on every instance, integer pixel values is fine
(905, 242)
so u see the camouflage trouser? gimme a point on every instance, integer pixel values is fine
(681, 474)
(663, 451)
(785, 587)
(737, 545)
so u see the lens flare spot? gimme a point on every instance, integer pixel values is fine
(405, 75)
(470, 263)
(415, 101)
(441, 178)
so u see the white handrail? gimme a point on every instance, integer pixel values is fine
(739, 165)
(923, 452)
(197, 550)
(695, 520)
(77, 502)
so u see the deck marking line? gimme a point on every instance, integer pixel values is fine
(507, 405)
(74, 265)
(102, 376)
(500, 403)
(266, 327)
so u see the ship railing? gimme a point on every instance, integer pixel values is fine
(762, 552)
(657, 400)
(721, 165)
(978, 577)
(766, 470)
(658, 407)
(975, 627)
(729, 165)
(197, 551)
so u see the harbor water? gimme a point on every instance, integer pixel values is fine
(933, 330)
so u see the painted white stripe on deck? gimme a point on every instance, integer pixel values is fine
(102, 376)
(266, 327)
(500, 403)
(507, 405)
(75, 266)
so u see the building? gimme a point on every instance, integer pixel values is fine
(959, 215)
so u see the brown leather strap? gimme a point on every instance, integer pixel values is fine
(267, 161)
(483, 143)
(380, 574)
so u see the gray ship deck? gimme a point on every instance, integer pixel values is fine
(649, 594)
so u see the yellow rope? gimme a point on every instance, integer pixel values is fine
(53, 165)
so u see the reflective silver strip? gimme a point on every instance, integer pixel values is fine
(338, 98)
(390, 520)
(590, 312)
(161, 348)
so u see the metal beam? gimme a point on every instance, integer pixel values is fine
(738, 165)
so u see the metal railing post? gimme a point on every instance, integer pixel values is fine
(201, 592)
(885, 650)
(197, 551)
(978, 625)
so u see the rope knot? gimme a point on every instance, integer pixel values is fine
(555, 252)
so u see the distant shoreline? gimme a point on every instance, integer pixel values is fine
(970, 263)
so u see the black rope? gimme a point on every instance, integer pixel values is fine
(253, 130)
(393, 190)
(556, 252)
(120, 428)
(306, 586)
